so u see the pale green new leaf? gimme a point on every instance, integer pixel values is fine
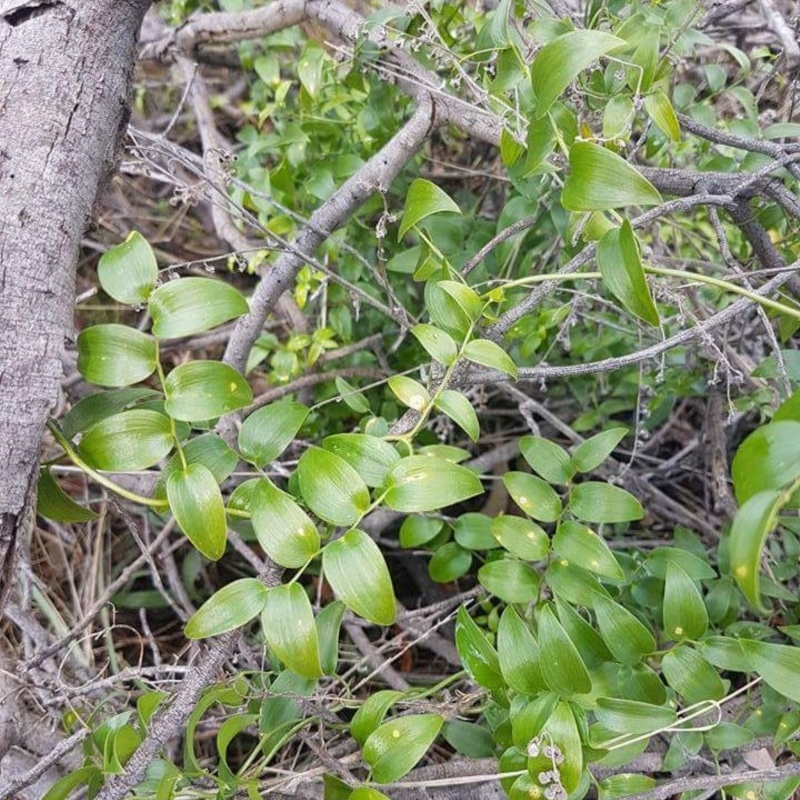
(231, 607)
(409, 392)
(489, 354)
(460, 410)
(594, 501)
(422, 200)
(331, 488)
(128, 272)
(658, 106)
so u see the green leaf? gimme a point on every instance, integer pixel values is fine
(659, 560)
(588, 641)
(329, 623)
(489, 354)
(357, 572)
(128, 272)
(617, 117)
(267, 432)
(533, 495)
(561, 663)
(479, 658)
(724, 652)
(510, 580)
(589, 455)
(572, 583)
(354, 400)
(449, 563)
(101, 405)
(460, 410)
(202, 390)
(624, 785)
(473, 531)
(115, 355)
(367, 793)
(332, 489)
(196, 501)
(210, 450)
(445, 311)
(466, 297)
(621, 267)
(193, 305)
(769, 458)
(519, 654)
(469, 739)
(395, 747)
(417, 530)
(547, 459)
(560, 61)
(582, 546)
(55, 503)
(231, 607)
(426, 483)
(625, 636)
(438, 343)
(751, 525)
(691, 676)
(600, 180)
(521, 537)
(283, 529)
(528, 722)
(629, 716)
(410, 392)
(727, 736)
(422, 200)
(658, 106)
(685, 614)
(309, 68)
(132, 440)
(288, 624)
(372, 458)
(777, 664)
(371, 714)
(562, 730)
(594, 501)
(64, 787)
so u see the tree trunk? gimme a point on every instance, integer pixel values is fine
(65, 75)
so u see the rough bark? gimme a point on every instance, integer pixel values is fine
(65, 74)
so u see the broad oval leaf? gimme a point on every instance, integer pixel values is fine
(128, 271)
(426, 483)
(196, 501)
(769, 458)
(534, 496)
(473, 531)
(54, 503)
(417, 530)
(445, 311)
(465, 296)
(625, 636)
(560, 61)
(489, 354)
(777, 664)
(439, 344)
(547, 459)
(210, 450)
(519, 654)
(95, 407)
(192, 305)
(589, 455)
(685, 614)
(267, 432)
(422, 200)
(583, 635)
(460, 410)
(287, 621)
(356, 570)
(510, 580)
(600, 180)
(572, 583)
(202, 390)
(521, 537)
(751, 525)
(130, 440)
(659, 560)
(594, 501)
(231, 607)
(115, 355)
(561, 663)
(409, 392)
(371, 713)
(479, 658)
(582, 546)
(630, 716)
(621, 267)
(449, 562)
(395, 747)
(691, 676)
(283, 529)
(372, 458)
(332, 489)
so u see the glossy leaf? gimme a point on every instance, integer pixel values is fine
(777, 664)
(231, 607)
(460, 410)
(131, 440)
(287, 621)
(621, 267)
(445, 311)
(425, 483)
(99, 406)
(594, 501)
(438, 343)
(600, 180)
(752, 524)
(54, 503)
(422, 200)
(528, 722)
(547, 459)
(510, 580)
(372, 458)
(685, 614)
(192, 305)
(691, 676)
(128, 272)
(560, 61)
(521, 537)
(417, 530)
(562, 729)
(203, 390)
(625, 636)
(367, 793)
(519, 654)
(372, 712)
(583, 635)
(625, 785)
(210, 450)
(479, 658)
(354, 399)
(409, 392)
(466, 297)
(561, 663)
(196, 501)
(473, 531)
(572, 583)
(660, 110)
(726, 653)
(332, 489)
(659, 560)
(268, 431)
(628, 716)
(449, 562)
(115, 355)
(589, 455)
(582, 546)
(329, 623)
(533, 495)
(392, 750)
(357, 572)
(489, 354)
(769, 458)
(283, 529)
